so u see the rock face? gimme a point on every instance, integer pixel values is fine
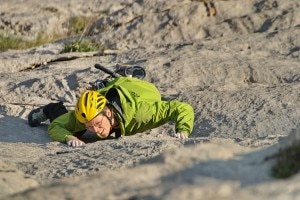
(129, 24)
(13, 180)
(29, 19)
(238, 69)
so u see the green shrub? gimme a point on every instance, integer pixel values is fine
(13, 42)
(287, 161)
(78, 24)
(9, 42)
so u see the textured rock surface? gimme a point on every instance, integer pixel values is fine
(239, 70)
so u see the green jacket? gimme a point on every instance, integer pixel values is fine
(140, 109)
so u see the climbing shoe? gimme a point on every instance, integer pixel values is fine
(37, 116)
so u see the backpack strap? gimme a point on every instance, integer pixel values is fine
(113, 99)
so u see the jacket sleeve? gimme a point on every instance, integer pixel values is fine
(64, 126)
(182, 114)
(148, 115)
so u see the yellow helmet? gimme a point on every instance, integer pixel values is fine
(89, 105)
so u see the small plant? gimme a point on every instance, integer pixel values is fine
(82, 46)
(288, 161)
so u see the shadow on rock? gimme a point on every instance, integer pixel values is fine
(15, 129)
